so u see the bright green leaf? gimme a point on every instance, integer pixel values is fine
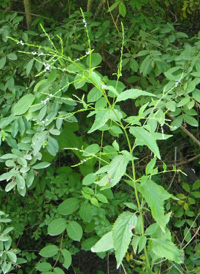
(122, 234)
(49, 251)
(104, 244)
(165, 248)
(74, 231)
(57, 226)
(23, 104)
(68, 206)
(155, 196)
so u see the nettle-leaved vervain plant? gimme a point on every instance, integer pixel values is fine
(46, 110)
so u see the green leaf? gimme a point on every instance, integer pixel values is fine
(171, 105)
(146, 65)
(94, 201)
(133, 94)
(190, 120)
(74, 231)
(102, 198)
(12, 56)
(23, 104)
(113, 6)
(67, 258)
(86, 212)
(177, 122)
(68, 206)
(29, 66)
(95, 60)
(122, 234)
(165, 248)
(150, 166)
(104, 244)
(89, 179)
(58, 270)
(12, 256)
(101, 118)
(52, 146)
(94, 95)
(115, 170)
(43, 266)
(49, 251)
(196, 95)
(135, 243)
(10, 186)
(30, 178)
(145, 138)
(14, 128)
(2, 62)
(57, 226)
(41, 165)
(142, 243)
(155, 196)
(79, 80)
(91, 150)
(122, 9)
(20, 181)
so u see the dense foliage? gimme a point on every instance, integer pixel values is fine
(99, 134)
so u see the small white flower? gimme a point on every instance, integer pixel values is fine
(87, 52)
(21, 42)
(41, 53)
(46, 119)
(103, 86)
(84, 21)
(34, 52)
(43, 122)
(85, 25)
(50, 94)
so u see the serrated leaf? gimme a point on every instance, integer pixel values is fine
(115, 170)
(146, 138)
(68, 206)
(49, 251)
(74, 231)
(104, 244)
(133, 94)
(155, 196)
(57, 226)
(165, 248)
(23, 104)
(122, 234)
